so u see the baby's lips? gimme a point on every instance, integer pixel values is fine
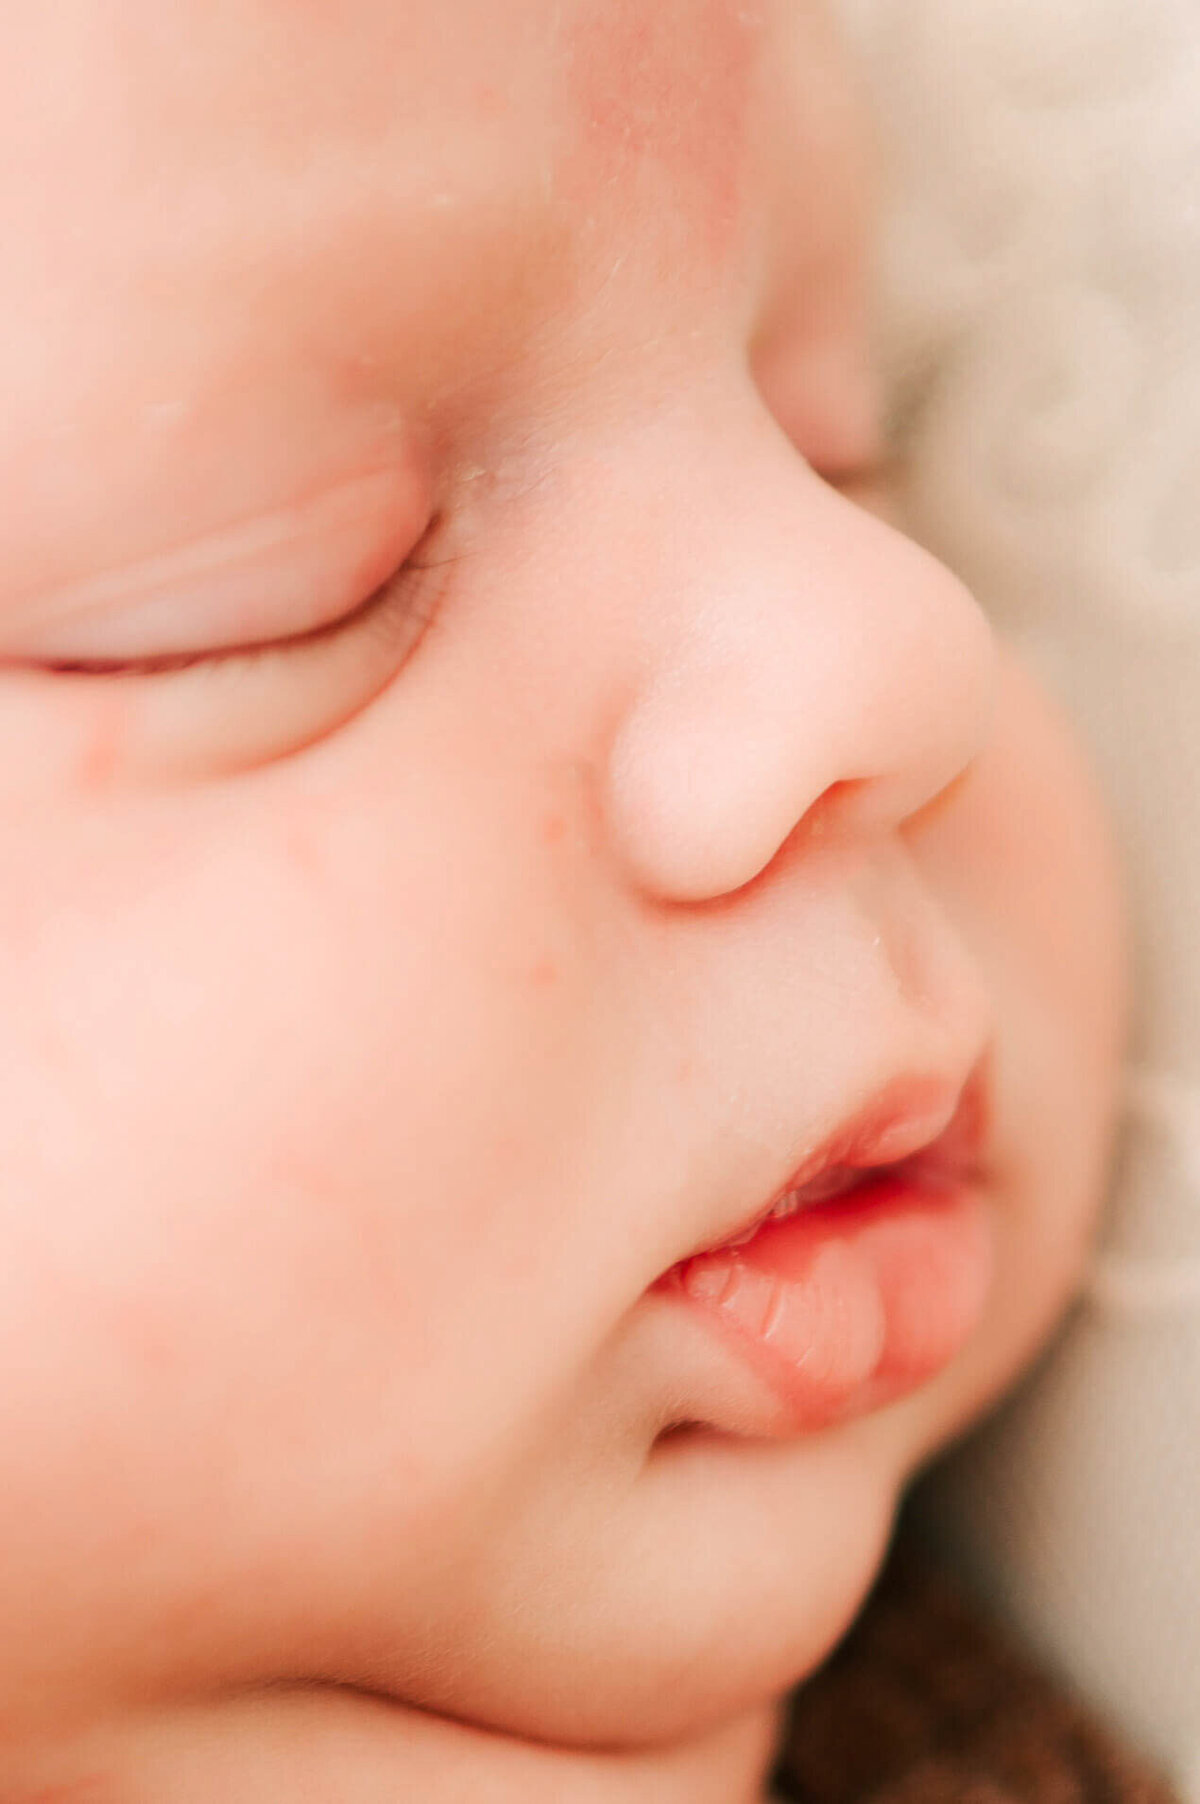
(850, 1304)
(941, 1141)
(829, 1324)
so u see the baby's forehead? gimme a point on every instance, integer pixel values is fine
(249, 223)
(164, 133)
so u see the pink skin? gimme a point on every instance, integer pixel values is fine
(386, 1013)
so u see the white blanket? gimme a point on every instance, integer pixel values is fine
(1041, 329)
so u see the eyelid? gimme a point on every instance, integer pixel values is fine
(217, 716)
(265, 578)
(170, 663)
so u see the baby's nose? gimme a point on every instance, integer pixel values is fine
(809, 648)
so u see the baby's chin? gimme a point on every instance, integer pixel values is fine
(679, 1704)
(730, 1574)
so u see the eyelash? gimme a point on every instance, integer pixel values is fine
(400, 598)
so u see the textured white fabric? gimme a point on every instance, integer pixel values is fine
(1041, 325)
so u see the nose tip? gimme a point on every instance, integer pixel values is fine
(842, 659)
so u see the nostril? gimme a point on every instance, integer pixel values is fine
(712, 774)
(814, 670)
(701, 795)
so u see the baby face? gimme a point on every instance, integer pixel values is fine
(483, 819)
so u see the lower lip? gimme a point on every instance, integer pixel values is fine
(852, 1304)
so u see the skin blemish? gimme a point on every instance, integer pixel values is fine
(671, 87)
(101, 756)
(302, 853)
(146, 1337)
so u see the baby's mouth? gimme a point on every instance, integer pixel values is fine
(838, 1181)
(947, 1152)
(862, 1277)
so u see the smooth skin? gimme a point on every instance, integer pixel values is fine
(477, 804)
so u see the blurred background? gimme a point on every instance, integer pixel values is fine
(1039, 322)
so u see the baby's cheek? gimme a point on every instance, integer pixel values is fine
(1020, 854)
(1024, 852)
(286, 1135)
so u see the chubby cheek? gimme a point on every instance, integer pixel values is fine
(1021, 855)
(276, 1085)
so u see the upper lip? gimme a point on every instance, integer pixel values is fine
(908, 1116)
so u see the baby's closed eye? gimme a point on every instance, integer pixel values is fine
(244, 649)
